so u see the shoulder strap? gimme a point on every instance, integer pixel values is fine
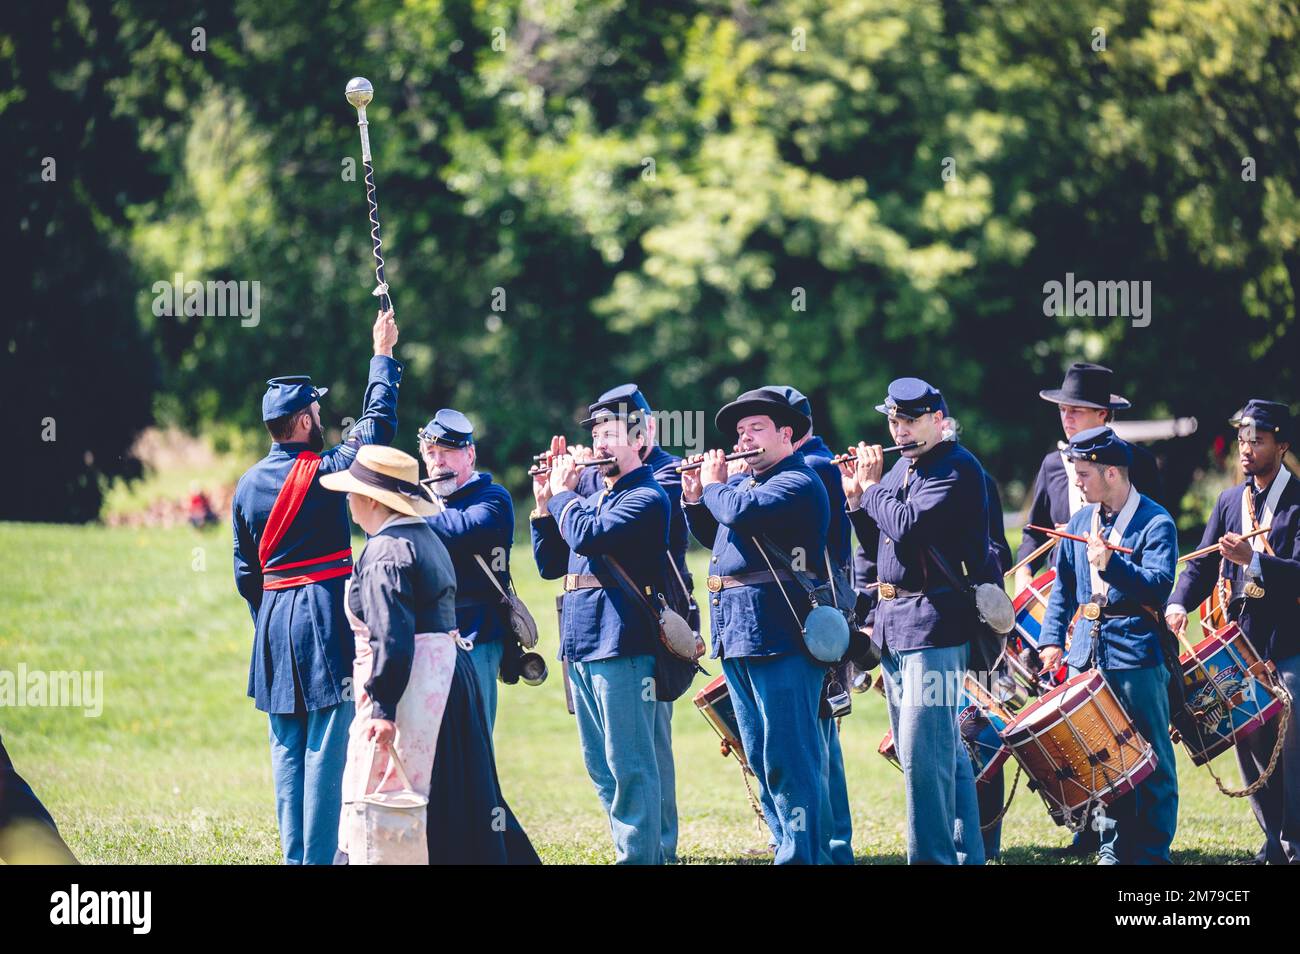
(287, 504)
(628, 586)
(491, 576)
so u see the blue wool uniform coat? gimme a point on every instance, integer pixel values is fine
(938, 500)
(839, 533)
(1144, 577)
(1271, 622)
(629, 522)
(788, 503)
(1050, 499)
(664, 466)
(479, 519)
(302, 646)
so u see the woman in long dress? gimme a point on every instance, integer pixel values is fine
(415, 689)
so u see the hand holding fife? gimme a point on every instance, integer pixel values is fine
(385, 333)
(1098, 552)
(564, 474)
(1232, 547)
(714, 468)
(871, 464)
(851, 475)
(692, 488)
(1176, 621)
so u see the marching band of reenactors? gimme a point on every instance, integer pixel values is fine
(380, 677)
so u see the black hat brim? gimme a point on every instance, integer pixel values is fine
(1058, 396)
(782, 414)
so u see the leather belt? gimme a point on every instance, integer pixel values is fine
(582, 581)
(719, 583)
(888, 591)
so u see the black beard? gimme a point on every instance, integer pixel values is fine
(316, 439)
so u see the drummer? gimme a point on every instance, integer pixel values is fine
(1119, 635)
(1264, 575)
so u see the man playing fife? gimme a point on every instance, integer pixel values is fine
(775, 684)
(477, 525)
(607, 640)
(664, 467)
(1264, 575)
(293, 554)
(932, 501)
(1119, 633)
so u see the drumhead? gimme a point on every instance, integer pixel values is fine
(1064, 698)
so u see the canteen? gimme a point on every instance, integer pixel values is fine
(826, 634)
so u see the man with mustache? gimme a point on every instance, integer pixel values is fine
(477, 525)
(931, 503)
(293, 554)
(1264, 575)
(607, 640)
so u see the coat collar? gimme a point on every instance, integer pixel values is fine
(478, 480)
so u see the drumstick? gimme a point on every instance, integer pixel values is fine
(1214, 546)
(1031, 558)
(1075, 536)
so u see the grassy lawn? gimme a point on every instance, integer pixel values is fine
(176, 768)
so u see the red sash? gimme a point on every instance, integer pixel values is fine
(283, 513)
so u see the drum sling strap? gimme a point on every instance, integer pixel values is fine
(284, 511)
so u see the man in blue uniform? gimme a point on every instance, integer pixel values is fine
(477, 525)
(839, 545)
(293, 554)
(607, 637)
(1085, 401)
(1119, 633)
(774, 682)
(664, 467)
(1264, 575)
(932, 501)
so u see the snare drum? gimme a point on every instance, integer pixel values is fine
(1030, 605)
(887, 749)
(1214, 608)
(1227, 692)
(1079, 747)
(981, 722)
(714, 703)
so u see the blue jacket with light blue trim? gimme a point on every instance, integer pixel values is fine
(1145, 577)
(479, 519)
(788, 503)
(629, 522)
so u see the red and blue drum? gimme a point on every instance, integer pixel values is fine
(1228, 692)
(981, 722)
(1030, 605)
(714, 703)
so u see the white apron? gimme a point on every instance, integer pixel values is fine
(384, 801)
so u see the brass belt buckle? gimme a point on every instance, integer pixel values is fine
(570, 582)
(1092, 611)
(715, 584)
(888, 591)
(1254, 590)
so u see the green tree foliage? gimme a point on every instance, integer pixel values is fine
(700, 196)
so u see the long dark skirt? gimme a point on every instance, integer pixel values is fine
(469, 822)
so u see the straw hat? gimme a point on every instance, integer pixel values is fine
(385, 474)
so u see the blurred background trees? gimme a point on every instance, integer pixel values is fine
(702, 197)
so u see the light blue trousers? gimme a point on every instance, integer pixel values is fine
(307, 756)
(667, 779)
(840, 819)
(615, 705)
(942, 806)
(1146, 819)
(486, 658)
(776, 699)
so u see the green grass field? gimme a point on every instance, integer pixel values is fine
(176, 768)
